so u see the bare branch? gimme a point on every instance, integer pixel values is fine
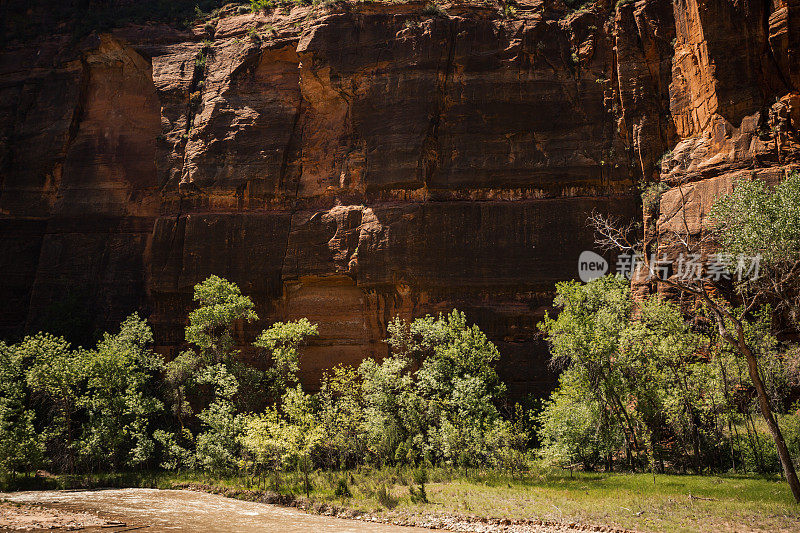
(613, 234)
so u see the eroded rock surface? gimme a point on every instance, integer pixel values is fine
(353, 162)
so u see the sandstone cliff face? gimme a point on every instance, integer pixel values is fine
(736, 107)
(351, 163)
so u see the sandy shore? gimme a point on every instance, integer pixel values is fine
(23, 517)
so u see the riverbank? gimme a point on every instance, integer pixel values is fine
(489, 501)
(178, 511)
(25, 517)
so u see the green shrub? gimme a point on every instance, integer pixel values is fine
(508, 11)
(434, 9)
(666, 156)
(651, 197)
(342, 489)
(758, 453)
(261, 5)
(385, 497)
(200, 65)
(417, 489)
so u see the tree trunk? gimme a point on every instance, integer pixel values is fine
(730, 440)
(763, 402)
(305, 477)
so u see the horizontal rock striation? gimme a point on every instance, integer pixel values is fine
(353, 162)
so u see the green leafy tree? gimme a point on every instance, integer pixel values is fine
(179, 377)
(278, 439)
(645, 372)
(433, 398)
(20, 447)
(211, 325)
(56, 376)
(341, 414)
(119, 401)
(574, 427)
(215, 366)
(659, 357)
(280, 345)
(211, 329)
(756, 220)
(302, 432)
(265, 446)
(392, 411)
(586, 335)
(752, 220)
(508, 441)
(217, 445)
(458, 383)
(176, 453)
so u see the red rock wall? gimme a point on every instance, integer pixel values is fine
(361, 161)
(736, 108)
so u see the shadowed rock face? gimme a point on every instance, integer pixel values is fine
(356, 162)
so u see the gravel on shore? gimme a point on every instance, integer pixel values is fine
(441, 521)
(24, 517)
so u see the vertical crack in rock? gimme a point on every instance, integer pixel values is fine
(765, 27)
(430, 156)
(293, 151)
(78, 112)
(195, 100)
(295, 142)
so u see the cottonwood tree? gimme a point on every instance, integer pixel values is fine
(119, 401)
(432, 399)
(215, 364)
(265, 446)
(211, 331)
(20, 446)
(752, 220)
(56, 377)
(635, 371)
(341, 413)
(279, 345)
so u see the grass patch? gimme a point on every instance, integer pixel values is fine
(670, 503)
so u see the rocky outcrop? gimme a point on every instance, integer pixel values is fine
(353, 162)
(736, 107)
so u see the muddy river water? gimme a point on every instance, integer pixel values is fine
(172, 511)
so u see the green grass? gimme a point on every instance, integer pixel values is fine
(675, 503)
(671, 503)
(629, 500)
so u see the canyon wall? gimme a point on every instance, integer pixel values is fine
(353, 162)
(736, 107)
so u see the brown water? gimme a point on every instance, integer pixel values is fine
(175, 511)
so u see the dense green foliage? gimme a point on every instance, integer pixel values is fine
(756, 220)
(643, 387)
(119, 406)
(430, 402)
(87, 409)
